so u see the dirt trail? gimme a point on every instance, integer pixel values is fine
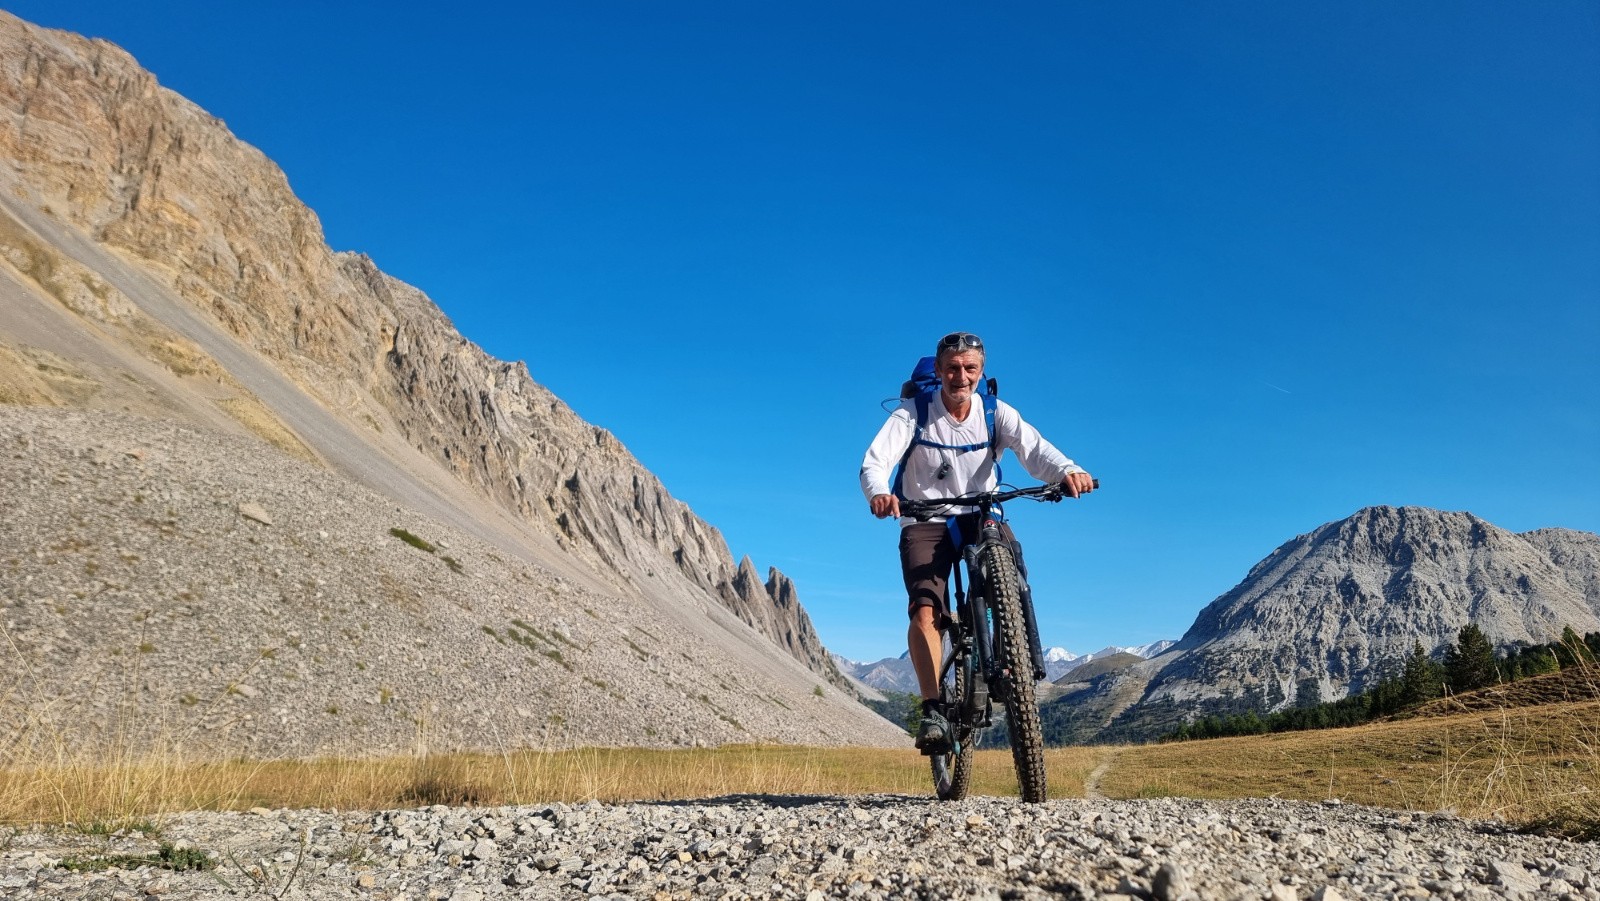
(1091, 785)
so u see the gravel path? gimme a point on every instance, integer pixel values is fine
(866, 847)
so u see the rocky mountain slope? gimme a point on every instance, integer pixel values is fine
(152, 264)
(1330, 612)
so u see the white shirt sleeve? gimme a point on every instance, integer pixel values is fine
(1038, 456)
(877, 467)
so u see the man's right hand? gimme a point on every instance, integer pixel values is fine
(885, 505)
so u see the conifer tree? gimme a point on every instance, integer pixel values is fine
(1422, 680)
(1571, 650)
(1469, 663)
(1538, 662)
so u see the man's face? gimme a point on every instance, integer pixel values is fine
(959, 374)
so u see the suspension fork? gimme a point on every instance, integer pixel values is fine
(981, 627)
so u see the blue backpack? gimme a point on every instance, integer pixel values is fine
(921, 387)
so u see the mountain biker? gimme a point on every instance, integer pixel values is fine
(952, 459)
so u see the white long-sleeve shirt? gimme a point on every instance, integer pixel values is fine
(969, 471)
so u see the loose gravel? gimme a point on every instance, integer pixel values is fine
(869, 847)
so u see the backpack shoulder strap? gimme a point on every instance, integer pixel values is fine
(921, 402)
(990, 404)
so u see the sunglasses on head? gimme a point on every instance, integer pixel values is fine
(961, 341)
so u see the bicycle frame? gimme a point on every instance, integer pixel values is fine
(993, 640)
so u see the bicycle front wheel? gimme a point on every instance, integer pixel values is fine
(1016, 666)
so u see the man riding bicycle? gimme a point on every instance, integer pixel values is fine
(951, 454)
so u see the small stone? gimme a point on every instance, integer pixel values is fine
(1572, 875)
(1281, 892)
(366, 880)
(1513, 876)
(255, 512)
(483, 850)
(1170, 883)
(1327, 893)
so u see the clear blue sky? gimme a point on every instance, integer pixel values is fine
(1256, 265)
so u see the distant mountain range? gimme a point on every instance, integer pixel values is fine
(896, 674)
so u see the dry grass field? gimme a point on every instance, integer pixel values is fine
(135, 787)
(1536, 765)
(1527, 765)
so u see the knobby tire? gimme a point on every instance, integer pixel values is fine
(952, 772)
(1011, 650)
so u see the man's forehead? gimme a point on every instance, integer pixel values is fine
(964, 358)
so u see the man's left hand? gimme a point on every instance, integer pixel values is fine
(1077, 484)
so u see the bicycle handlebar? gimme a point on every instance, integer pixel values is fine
(926, 507)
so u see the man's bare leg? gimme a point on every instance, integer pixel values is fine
(927, 651)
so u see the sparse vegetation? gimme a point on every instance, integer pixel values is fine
(168, 857)
(418, 543)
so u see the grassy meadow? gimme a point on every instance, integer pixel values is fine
(1530, 765)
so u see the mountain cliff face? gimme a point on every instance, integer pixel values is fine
(152, 264)
(94, 140)
(1335, 610)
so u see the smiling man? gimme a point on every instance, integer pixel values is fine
(951, 454)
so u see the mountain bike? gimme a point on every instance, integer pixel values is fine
(993, 643)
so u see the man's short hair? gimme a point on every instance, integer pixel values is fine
(958, 343)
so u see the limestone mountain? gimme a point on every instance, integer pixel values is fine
(152, 264)
(1331, 612)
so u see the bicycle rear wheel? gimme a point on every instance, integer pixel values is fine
(952, 771)
(1016, 662)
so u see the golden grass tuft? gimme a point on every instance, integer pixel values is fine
(249, 412)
